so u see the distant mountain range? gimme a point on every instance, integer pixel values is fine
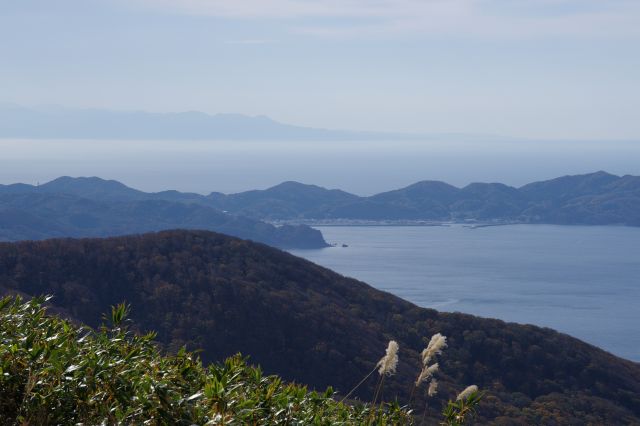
(316, 327)
(92, 207)
(592, 199)
(72, 123)
(89, 207)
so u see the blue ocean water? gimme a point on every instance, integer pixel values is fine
(584, 281)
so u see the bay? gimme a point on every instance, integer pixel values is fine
(581, 280)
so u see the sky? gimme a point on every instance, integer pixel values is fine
(542, 69)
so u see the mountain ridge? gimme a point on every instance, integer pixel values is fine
(55, 122)
(94, 207)
(596, 198)
(91, 206)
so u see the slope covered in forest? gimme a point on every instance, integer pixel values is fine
(311, 325)
(93, 207)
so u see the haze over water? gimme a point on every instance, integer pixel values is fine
(361, 167)
(584, 281)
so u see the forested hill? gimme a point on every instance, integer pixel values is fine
(314, 326)
(93, 207)
(593, 199)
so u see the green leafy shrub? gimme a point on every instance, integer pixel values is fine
(53, 372)
(463, 409)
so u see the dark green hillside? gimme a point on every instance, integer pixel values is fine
(314, 326)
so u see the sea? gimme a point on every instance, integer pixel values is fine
(360, 167)
(579, 280)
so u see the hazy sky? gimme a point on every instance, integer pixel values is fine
(532, 68)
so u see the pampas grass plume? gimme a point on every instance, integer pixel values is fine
(426, 373)
(387, 365)
(433, 388)
(437, 343)
(468, 391)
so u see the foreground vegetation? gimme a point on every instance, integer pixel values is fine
(52, 372)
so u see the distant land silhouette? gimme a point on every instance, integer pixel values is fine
(92, 207)
(55, 122)
(592, 199)
(311, 325)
